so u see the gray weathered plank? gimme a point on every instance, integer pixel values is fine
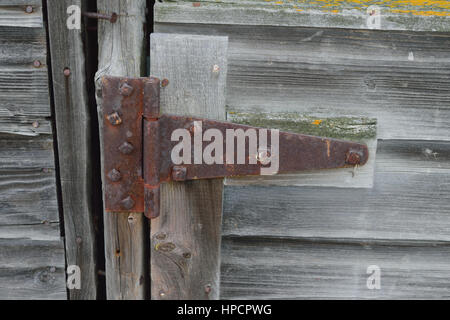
(73, 128)
(186, 237)
(24, 97)
(32, 263)
(290, 269)
(395, 14)
(351, 129)
(13, 13)
(409, 201)
(399, 78)
(121, 53)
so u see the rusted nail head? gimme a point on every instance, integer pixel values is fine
(187, 255)
(127, 203)
(114, 17)
(126, 90)
(208, 289)
(114, 119)
(114, 175)
(35, 124)
(37, 63)
(164, 83)
(67, 72)
(216, 68)
(196, 4)
(179, 173)
(29, 9)
(126, 148)
(353, 158)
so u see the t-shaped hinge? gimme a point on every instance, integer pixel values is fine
(142, 149)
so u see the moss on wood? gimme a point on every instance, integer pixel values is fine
(348, 128)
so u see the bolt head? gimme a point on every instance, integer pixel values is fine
(114, 175)
(67, 72)
(353, 158)
(179, 173)
(127, 203)
(126, 148)
(37, 63)
(164, 83)
(35, 124)
(126, 90)
(114, 119)
(29, 9)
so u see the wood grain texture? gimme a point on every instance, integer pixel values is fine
(395, 14)
(399, 78)
(291, 269)
(31, 250)
(185, 247)
(351, 129)
(121, 53)
(74, 146)
(13, 13)
(24, 96)
(409, 201)
(32, 263)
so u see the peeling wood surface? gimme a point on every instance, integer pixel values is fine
(72, 118)
(121, 53)
(399, 78)
(352, 129)
(416, 15)
(185, 247)
(32, 261)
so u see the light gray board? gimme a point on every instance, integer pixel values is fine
(121, 53)
(32, 268)
(27, 180)
(395, 15)
(338, 72)
(290, 269)
(24, 95)
(191, 213)
(409, 201)
(12, 13)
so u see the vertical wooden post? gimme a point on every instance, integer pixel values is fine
(185, 239)
(74, 143)
(121, 53)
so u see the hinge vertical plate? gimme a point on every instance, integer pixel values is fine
(124, 101)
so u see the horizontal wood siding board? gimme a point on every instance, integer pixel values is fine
(409, 201)
(13, 13)
(32, 268)
(27, 180)
(24, 96)
(395, 15)
(400, 78)
(292, 269)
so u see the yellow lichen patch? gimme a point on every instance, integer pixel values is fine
(439, 8)
(317, 122)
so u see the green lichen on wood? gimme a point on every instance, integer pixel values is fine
(347, 128)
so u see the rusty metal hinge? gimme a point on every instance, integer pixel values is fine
(138, 148)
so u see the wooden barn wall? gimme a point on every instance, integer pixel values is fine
(32, 262)
(317, 239)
